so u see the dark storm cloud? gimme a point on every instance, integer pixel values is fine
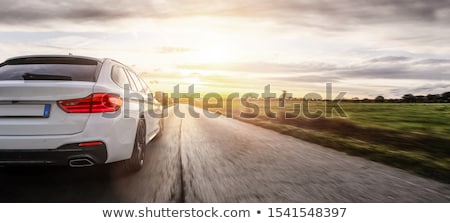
(319, 13)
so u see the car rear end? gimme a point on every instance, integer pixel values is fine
(51, 112)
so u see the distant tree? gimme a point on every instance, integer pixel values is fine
(393, 100)
(379, 99)
(421, 98)
(409, 98)
(355, 99)
(433, 97)
(446, 96)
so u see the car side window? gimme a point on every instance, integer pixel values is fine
(134, 85)
(119, 76)
(138, 83)
(146, 88)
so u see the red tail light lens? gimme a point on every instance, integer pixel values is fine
(94, 103)
(87, 144)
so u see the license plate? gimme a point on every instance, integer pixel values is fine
(25, 110)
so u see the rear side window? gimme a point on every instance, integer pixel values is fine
(133, 76)
(74, 69)
(133, 85)
(119, 76)
(146, 88)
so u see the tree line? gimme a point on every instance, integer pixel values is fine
(411, 98)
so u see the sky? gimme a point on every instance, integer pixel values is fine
(364, 48)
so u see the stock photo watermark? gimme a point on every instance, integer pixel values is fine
(251, 104)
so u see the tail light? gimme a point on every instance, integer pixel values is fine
(94, 103)
(87, 144)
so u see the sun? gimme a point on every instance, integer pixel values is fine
(211, 50)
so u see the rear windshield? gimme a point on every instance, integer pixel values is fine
(75, 68)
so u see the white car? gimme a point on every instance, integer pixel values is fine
(75, 111)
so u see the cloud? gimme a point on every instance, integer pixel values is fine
(393, 77)
(31, 12)
(395, 67)
(170, 49)
(263, 67)
(410, 23)
(318, 78)
(389, 59)
(392, 73)
(424, 89)
(388, 67)
(345, 12)
(433, 61)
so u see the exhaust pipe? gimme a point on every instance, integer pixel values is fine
(80, 162)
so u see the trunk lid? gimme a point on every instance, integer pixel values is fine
(29, 108)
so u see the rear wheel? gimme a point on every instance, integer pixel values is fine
(137, 160)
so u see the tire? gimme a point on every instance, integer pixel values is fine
(137, 160)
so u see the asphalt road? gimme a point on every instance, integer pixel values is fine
(224, 160)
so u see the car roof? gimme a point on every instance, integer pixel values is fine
(43, 56)
(55, 56)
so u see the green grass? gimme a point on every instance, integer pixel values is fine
(413, 137)
(427, 119)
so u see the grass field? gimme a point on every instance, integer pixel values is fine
(410, 136)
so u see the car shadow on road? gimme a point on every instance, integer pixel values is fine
(158, 181)
(56, 184)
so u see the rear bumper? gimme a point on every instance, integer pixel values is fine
(61, 156)
(116, 133)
